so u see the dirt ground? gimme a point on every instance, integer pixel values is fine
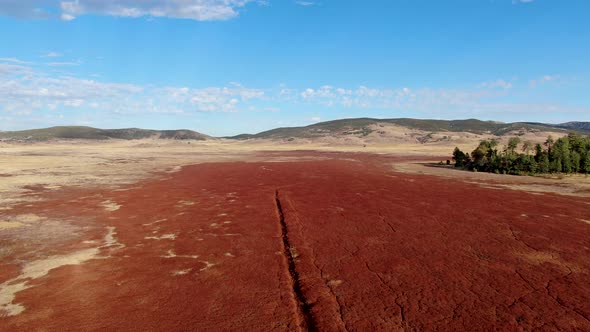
(198, 237)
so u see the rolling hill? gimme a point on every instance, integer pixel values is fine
(78, 132)
(365, 126)
(360, 128)
(583, 126)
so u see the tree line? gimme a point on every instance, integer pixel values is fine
(569, 154)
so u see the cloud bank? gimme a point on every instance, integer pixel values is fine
(199, 10)
(29, 90)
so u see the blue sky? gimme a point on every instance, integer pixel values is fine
(225, 67)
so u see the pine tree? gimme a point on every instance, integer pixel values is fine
(556, 166)
(575, 161)
(544, 163)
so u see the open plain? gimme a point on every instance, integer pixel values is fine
(157, 235)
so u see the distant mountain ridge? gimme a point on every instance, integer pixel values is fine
(362, 126)
(80, 132)
(576, 125)
(358, 127)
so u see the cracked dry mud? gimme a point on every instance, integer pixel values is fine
(329, 245)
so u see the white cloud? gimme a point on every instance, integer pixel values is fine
(502, 84)
(27, 9)
(11, 69)
(200, 10)
(67, 17)
(305, 3)
(25, 91)
(485, 101)
(213, 99)
(53, 55)
(361, 97)
(543, 80)
(15, 60)
(64, 64)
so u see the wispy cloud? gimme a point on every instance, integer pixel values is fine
(9, 69)
(15, 60)
(29, 92)
(200, 10)
(24, 90)
(53, 55)
(28, 9)
(542, 80)
(501, 84)
(485, 101)
(64, 63)
(212, 99)
(305, 3)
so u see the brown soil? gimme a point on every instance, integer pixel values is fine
(338, 243)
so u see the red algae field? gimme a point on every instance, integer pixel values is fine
(341, 242)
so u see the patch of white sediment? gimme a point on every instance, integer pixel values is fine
(163, 237)
(110, 240)
(155, 222)
(185, 203)
(181, 272)
(41, 267)
(174, 169)
(110, 205)
(37, 269)
(172, 254)
(208, 265)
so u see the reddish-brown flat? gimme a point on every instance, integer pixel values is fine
(334, 244)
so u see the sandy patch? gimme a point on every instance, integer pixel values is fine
(22, 220)
(540, 257)
(10, 225)
(28, 218)
(585, 221)
(335, 283)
